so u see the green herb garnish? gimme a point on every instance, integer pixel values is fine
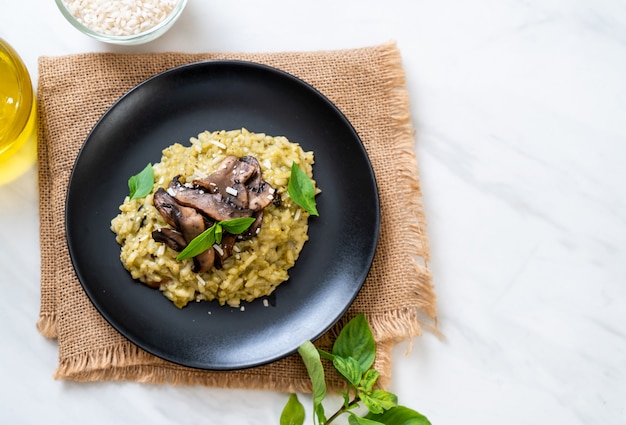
(311, 358)
(141, 184)
(301, 189)
(213, 234)
(293, 413)
(352, 356)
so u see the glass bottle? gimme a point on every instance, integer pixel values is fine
(18, 115)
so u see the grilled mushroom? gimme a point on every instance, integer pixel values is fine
(236, 189)
(214, 205)
(188, 222)
(260, 192)
(228, 181)
(224, 249)
(172, 238)
(204, 261)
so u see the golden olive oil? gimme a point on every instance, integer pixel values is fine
(17, 115)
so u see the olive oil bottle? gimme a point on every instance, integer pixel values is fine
(17, 116)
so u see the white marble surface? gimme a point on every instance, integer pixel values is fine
(520, 110)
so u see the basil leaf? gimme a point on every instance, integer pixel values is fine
(199, 244)
(213, 234)
(369, 380)
(356, 340)
(314, 367)
(293, 412)
(237, 225)
(385, 398)
(348, 368)
(301, 189)
(356, 420)
(379, 401)
(141, 184)
(399, 415)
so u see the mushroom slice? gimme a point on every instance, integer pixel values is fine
(228, 180)
(211, 204)
(224, 249)
(166, 205)
(183, 218)
(172, 238)
(189, 223)
(204, 261)
(260, 192)
(260, 196)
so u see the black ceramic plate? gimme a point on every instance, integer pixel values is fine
(172, 107)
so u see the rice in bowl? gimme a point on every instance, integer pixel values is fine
(258, 265)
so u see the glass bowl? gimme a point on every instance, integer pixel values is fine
(146, 35)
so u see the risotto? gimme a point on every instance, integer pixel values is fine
(259, 264)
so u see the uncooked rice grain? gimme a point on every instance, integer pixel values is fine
(120, 17)
(258, 265)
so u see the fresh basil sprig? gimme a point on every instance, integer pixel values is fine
(213, 234)
(352, 356)
(141, 184)
(301, 189)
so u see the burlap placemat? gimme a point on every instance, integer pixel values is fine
(367, 84)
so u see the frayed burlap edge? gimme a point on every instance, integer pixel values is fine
(405, 323)
(109, 365)
(46, 325)
(47, 321)
(412, 320)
